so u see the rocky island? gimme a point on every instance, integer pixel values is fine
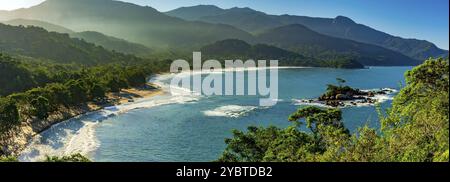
(344, 96)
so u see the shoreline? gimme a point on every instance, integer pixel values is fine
(13, 142)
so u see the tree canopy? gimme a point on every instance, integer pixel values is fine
(416, 128)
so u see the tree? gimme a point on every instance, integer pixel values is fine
(97, 91)
(77, 91)
(40, 107)
(71, 158)
(416, 128)
(115, 83)
(341, 81)
(9, 114)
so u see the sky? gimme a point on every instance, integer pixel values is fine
(421, 19)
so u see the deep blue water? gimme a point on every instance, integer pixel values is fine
(195, 131)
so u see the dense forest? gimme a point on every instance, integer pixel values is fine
(415, 129)
(46, 69)
(37, 92)
(238, 49)
(343, 27)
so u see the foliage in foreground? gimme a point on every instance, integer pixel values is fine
(71, 158)
(8, 159)
(416, 128)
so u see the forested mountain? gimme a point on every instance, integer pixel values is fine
(108, 42)
(238, 49)
(301, 39)
(38, 43)
(47, 26)
(134, 23)
(341, 27)
(112, 43)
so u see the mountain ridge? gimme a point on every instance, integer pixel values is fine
(340, 27)
(143, 25)
(301, 39)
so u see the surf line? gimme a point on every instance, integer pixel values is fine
(212, 84)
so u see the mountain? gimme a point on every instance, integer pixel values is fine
(112, 43)
(131, 22)
(48, 26)
(196, 12)
(301, 39)
(238, 49)
(340, 27)
(108, 42)
(38, 43)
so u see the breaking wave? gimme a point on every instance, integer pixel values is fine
(231, 111)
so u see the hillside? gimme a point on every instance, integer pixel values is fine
(38, 43)
(48, 26)
(238, 49)
(300, 39)
(108, 42)
(134, 23)
(112, 43)
(340, 27)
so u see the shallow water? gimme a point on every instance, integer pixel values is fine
(184, 128)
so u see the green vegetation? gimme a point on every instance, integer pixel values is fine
(416, 128)
(302, 40)
(157, 30)
(71, 158)
(148, 26)
(38, 43)
(37, 81)
(8, 159)
(342, 27)
(68, 89)
(238, 49)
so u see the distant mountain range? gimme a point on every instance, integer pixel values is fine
(38, 43)
(342, 27)
(130, 28)
(300, 39)
(108, 42)
(239, 49)
(143, 25)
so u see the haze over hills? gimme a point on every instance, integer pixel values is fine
(38, 43)
(341, 27)
(154, 29)
(134, 23)
(108, 42)
(48, 26)
(244, 51)
(299, 38)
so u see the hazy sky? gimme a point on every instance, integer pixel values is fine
(422, 19)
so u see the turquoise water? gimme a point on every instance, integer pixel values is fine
(194, 129)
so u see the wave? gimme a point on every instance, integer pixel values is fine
(77, 135)
(231, 111)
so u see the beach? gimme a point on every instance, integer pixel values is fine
(14, 141)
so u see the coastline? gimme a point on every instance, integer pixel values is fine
(13, 142)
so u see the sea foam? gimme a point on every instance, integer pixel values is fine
(232, 111)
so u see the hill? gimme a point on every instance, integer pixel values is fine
(131, 22)
(38, 43)
(108, 42)
(113, 43)
(300, 39)
(238, 49)
(48, 26)
(340, 27)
